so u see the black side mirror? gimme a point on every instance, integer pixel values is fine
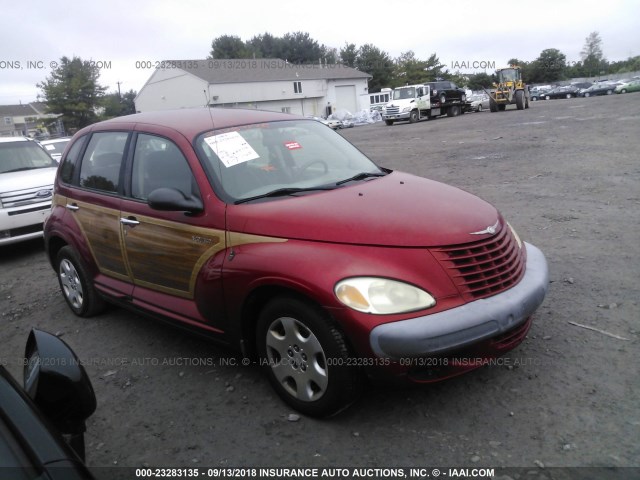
(58, 384)
(172, 199)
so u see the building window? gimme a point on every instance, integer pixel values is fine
(297, 87)
(7, 120)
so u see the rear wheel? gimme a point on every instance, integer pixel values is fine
(520, 99)
(443, 98)
(76, 285)
(453, 111)
(493, 106)
(306, 357)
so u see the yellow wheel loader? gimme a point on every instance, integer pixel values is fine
(509, 90)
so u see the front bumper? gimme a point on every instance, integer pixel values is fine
(467, 324)
(397, 116)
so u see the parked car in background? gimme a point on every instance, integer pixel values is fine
(566, 91)
(55, 147)
(598, 89)
(334, 124)
(479, 102)
(632, 86)
(42, 425)
(276, 236)
(26, 188)
(537, 93)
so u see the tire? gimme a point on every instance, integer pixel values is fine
(609, 92)
(453, 111)
(547, 97)
(623, 91)
(76, 285)
(568, 95)
(534, 99)
(493, 106)
(443, 98)
(520, 99)
(294, 339)
(413, 116)
(479, 109)
(389, 122)
(586, 94)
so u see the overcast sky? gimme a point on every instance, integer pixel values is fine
(120, 33)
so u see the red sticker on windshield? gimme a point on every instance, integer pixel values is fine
(292, 145)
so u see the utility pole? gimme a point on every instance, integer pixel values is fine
(119, 96)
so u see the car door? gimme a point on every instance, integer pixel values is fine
(166, 250)
(95, 207)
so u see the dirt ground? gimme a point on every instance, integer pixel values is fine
(565, 173)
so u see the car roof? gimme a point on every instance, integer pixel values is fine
(192, 121)
(14, 139)
(55, 140)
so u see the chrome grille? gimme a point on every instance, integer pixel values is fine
(392, 110)
(486, 267)
(27, 196)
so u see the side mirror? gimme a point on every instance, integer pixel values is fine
(172, 199)
(58, 384)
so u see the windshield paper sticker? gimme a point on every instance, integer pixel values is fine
(231, 148)
(292, 145)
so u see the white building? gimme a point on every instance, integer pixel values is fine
(263, 83)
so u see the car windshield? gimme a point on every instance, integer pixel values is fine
(508, 75)
(285, 157)
(402, 93)
(55, 147)
(18, 156)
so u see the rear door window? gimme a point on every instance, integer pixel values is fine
(102, 161)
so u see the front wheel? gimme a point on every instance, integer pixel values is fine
(413, 116)
(76, 285)
(306, 357)
(479, 109)
(520, 100)
(389, 122)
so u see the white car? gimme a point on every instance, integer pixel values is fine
(26, 189)
(55, 147)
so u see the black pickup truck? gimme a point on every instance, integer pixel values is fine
(445, 91)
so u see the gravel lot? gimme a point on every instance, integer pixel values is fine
(565, 173)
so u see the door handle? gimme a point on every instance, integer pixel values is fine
(73, 206)
(129, 221)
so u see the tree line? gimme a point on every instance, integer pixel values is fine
(550, 66)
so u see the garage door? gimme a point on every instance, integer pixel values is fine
(346, 98)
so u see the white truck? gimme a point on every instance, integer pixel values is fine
(418, 102)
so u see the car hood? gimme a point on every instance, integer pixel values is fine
(39, 177)
(396, 210)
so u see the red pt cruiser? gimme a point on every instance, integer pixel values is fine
(274, 235)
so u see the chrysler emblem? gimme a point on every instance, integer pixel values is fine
(491, 230)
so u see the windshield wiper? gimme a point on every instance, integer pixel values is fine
(361, 176)
(280, 192)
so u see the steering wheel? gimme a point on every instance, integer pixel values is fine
(304, 166)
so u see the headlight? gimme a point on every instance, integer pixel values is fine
(515, 235)
(381, 296)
